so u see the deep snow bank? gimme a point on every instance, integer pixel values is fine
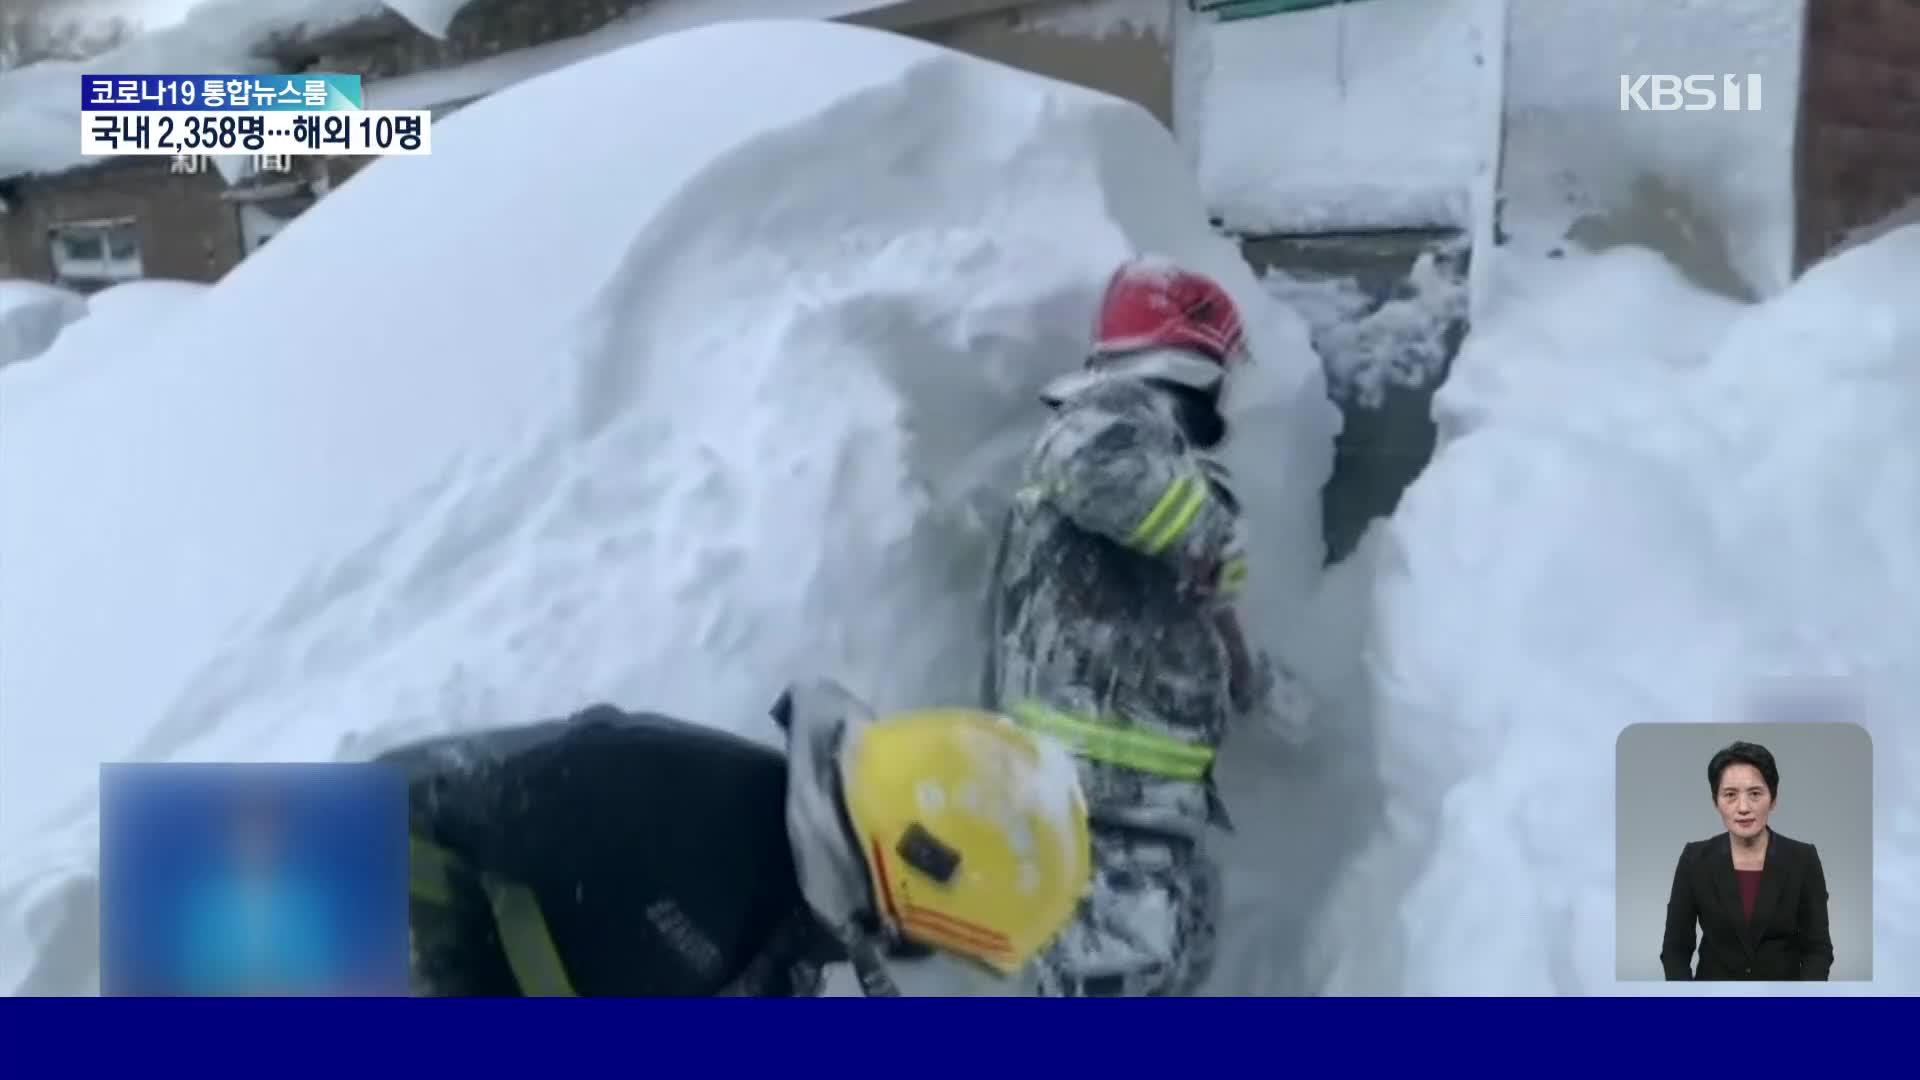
(670, 444)
(116, 326)
(1654, 505)
(32, 315)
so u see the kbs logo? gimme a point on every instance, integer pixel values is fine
(1689, 93)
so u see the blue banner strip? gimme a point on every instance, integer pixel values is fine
(980, 1038)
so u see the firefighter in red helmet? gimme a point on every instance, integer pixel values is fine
(1113, 621)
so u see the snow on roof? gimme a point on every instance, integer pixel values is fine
(40, 103)
(464, 82)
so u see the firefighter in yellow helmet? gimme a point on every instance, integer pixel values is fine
(634, 854)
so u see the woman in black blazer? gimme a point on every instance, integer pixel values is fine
(1758, 898)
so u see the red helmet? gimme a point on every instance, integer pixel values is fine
(1185, 319)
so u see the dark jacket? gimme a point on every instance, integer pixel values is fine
(607, 854)
(1787, 938)
(1090, 609)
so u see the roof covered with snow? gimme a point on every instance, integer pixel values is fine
(40, 103)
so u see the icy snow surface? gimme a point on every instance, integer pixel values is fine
(1376, 114)
(683, 439)
(32, 315)
(1650, 504)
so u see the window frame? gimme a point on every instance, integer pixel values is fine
(105, 269)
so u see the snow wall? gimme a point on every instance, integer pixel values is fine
(669, 437)
(1650, 504)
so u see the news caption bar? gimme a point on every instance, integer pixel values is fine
(262, 116)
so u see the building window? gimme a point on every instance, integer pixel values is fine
(257, 226)
(96, 253)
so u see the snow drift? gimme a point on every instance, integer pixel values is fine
(1651, 504)
(32, 315)
(671, 436)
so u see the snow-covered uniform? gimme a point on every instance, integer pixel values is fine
(633, 854)
(1111, 626)
(547, 862)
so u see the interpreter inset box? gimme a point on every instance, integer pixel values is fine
(229, 880)
(1744, 852)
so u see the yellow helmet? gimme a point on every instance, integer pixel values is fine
(974, 832)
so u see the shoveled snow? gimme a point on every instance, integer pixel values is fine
(1368, 346)
(32, 315)
(1374, 114)
(1651, 504)
(676, 442)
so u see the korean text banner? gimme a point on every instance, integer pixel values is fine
(220, 93)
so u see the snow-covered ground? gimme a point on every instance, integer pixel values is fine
(671, 447)
(115, 327)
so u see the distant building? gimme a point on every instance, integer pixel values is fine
(127, 218)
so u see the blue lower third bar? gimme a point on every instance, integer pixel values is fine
(254, 880)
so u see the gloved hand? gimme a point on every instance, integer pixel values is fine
(1251, 684)
(1200, 580)
(1280, 702)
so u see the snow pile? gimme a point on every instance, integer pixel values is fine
(1654, 505)
(1572, 153)
(32, 315)
(1368, 345)
(1377, 114)
(671, 445)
